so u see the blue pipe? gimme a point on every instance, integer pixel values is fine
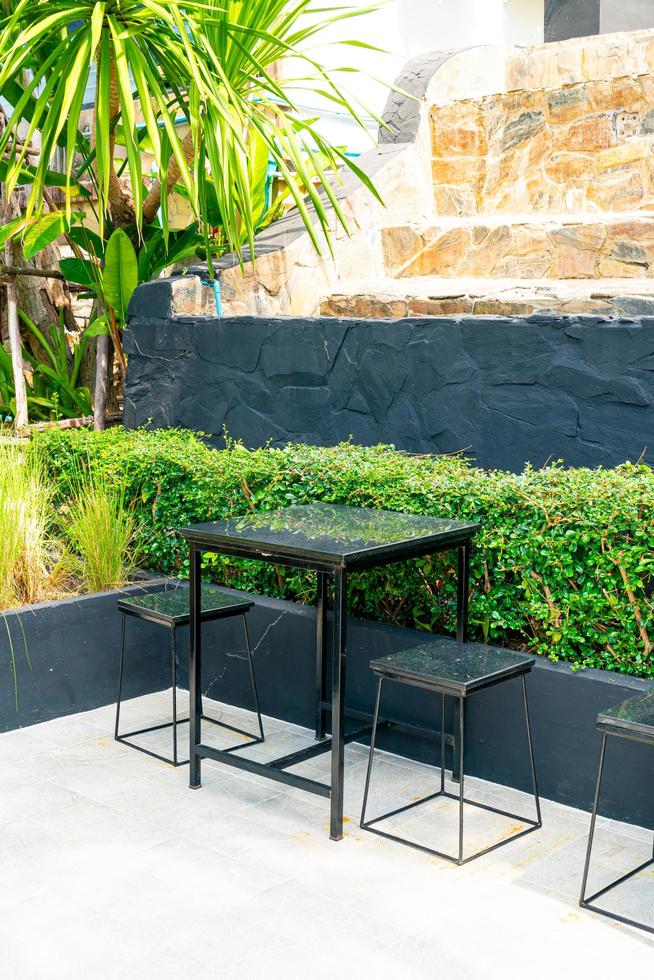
(215, 283)
(216, 292)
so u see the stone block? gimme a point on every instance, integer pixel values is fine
(399, 246)
(455, 170)
(443, 256)
(576, 251)
(521, 128)
(624, 93)
(489, 246)
(625, 153)
(609, 267)
(587, 135)
(569, 103)
(440, 306)
(458, 201)
(192, 296)
(456, 140)
(622, 189)
(565, 167)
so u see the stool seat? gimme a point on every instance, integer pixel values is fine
(633, 717)
(455, 668)
(171, 606)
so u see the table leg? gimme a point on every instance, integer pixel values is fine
(195, 668)
(461, 720)
(338, 705)
(462, 592)
(321, 655)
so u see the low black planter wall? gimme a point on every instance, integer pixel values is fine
(564, 706)
(73, 648)
(66, 655)
(506, 390)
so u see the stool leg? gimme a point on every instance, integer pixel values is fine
(120, 672)
(442, 743)
(461, 771)
(252, 677)
(173, 651)
(593, 819)
(534, 781)
(373, 736)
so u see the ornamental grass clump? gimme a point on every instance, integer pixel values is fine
(30, 561)
(101, 532)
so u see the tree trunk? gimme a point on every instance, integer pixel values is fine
(13, 326)
(43, 300)
(13, 330)
(102, 381)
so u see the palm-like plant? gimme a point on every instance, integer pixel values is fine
(206, 61)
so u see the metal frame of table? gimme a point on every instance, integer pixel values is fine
(327, 567)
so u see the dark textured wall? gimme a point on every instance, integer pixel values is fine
(571, 18)
(505, 390)
(66, 655)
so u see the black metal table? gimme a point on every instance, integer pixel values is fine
(331, 540)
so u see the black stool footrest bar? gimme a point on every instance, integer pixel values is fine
(126, 736)
(370, 825)
(589, 903)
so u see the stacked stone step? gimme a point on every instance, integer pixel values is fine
(432, 296)
(543, 195)
(536, 247)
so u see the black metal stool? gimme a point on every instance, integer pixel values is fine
(455, 670)
(633, 719)
(170, 608)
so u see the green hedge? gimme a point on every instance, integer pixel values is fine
(563, 565)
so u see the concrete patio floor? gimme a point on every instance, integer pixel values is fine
(111, 867)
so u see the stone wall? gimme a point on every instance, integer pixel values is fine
(556, 250)
(584, 147)
(505, 390)
(525, 174)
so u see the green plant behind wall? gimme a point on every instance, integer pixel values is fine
(563, 565)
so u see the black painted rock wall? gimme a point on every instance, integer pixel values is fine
(571, 18)
(505, 390)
